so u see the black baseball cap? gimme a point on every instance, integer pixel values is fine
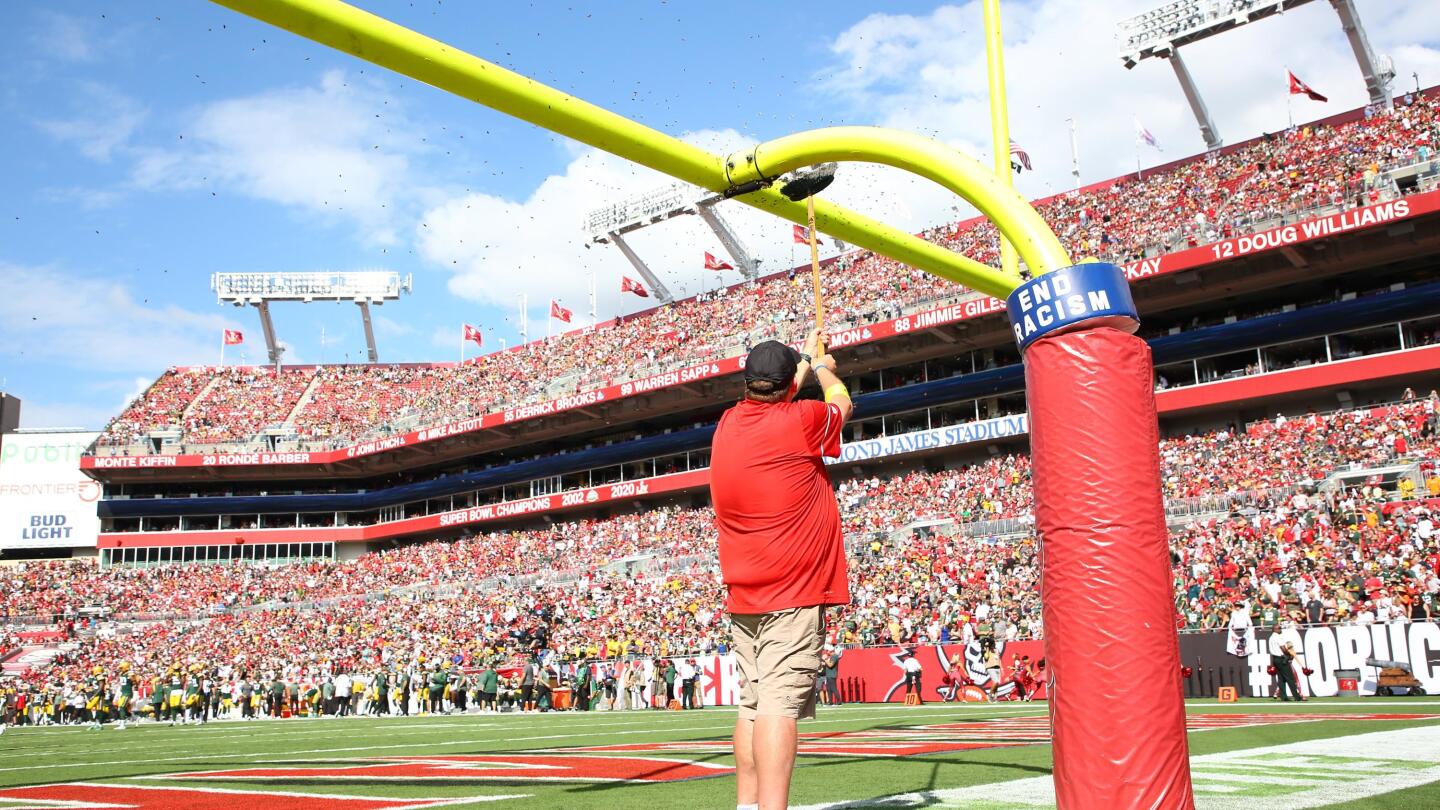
(772, 361)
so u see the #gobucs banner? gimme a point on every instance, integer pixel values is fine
(1322, 650)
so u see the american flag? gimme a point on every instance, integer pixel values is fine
(1019, 158)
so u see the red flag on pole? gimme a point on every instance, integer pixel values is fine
(630, 285)
(1299, 88)
(801, 234)
(234, 337)
(712, 263)
(558, 312)
(473, 334)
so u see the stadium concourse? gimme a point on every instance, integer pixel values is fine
(1279, 177)
(1358, 555)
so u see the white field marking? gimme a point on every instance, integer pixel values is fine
(266, 729)
(433, 726)
(603, 728)
(290, 727)
(1293, 776)
(98, 763)
(420, 803)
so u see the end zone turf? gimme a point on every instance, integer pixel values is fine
(1257, 754)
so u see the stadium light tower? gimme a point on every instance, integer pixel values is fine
(259, 289)
(1161, 32)
(609, 225)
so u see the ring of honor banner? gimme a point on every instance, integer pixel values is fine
(1116, 711)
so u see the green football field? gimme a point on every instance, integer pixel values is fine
(1367, 753)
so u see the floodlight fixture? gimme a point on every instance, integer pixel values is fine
(611, 223)
(361, 288)
(1162, 31)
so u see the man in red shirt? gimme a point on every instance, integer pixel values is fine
(781, 553)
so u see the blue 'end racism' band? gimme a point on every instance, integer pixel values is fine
(1081, 296)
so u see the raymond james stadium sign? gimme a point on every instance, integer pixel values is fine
(968, 433)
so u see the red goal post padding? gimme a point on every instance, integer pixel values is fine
(1116, 710)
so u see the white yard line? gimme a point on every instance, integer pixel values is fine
(1293, 776)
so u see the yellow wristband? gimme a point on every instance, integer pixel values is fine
(836, 390)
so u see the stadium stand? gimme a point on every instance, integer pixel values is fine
(920, 570)
(1323, 516)
(1274, 179)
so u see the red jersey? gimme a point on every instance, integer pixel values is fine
(780, 542)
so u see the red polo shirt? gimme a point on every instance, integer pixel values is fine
(780, 542)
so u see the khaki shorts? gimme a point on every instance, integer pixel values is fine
(779, 658)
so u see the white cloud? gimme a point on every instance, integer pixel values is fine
(498, 248)
(103, 122)
(43, 414)
(89, 323)
(340, 150)
(90, 199)
(924, 73)
(927, 73)
(66, 37)
(384, 326)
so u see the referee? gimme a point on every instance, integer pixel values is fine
(781, 553)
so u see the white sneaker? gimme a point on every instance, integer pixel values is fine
(120, 726)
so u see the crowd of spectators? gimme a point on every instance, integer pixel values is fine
(1273, 178)
(645, 584)
(161, 407)
(242, 400)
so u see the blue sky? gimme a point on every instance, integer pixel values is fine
(146, 145)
